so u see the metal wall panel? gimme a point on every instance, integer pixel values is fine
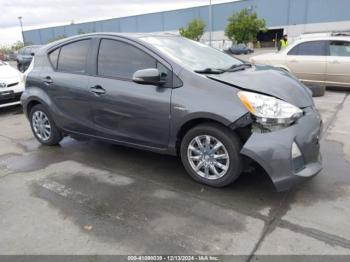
(128, 24)
(278, 13)
(112, 25)
(150, 22)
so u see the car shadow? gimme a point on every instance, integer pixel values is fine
(11, 110)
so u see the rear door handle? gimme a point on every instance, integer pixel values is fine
(47, 80)
(97, 90)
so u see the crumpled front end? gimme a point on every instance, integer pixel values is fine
(291, 154)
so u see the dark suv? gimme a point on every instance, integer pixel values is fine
(24, 57)
(171, 95)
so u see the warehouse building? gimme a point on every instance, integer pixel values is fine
(292, 17)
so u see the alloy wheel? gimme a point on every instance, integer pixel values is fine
(41, 125)
(208, 157)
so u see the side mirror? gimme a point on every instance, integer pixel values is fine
(150, 76)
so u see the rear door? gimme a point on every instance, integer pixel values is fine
(124, 110)
(338, 63)
(307, 61)
(66, 82)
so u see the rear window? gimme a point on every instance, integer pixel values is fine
(72, 58)
(312, 48)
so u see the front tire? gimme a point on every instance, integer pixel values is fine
(43, 126)
(210, 153)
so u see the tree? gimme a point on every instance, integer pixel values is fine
(8, 49)
(244, 26)
(16, 46)
(194, 30)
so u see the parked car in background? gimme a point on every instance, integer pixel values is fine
(12, 57)
(11, 85)
(239, 49)
(317, 60)
(24, 56)
(171, 95)
(4, 57)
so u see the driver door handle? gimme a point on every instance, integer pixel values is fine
(97, 90)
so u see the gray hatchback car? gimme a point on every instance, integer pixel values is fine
(171, 95)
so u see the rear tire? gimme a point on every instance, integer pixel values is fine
(43, 126)
(226, 160)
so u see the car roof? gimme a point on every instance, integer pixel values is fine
(324, 36)
(133, 36)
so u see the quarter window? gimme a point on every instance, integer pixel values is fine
(122, 60)
(339, 48)
(312, 48)
(73, 57)
(54, 57)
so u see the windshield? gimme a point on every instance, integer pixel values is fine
(191, 54)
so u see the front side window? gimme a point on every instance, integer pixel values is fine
(122, 60)
(339, 48)
(191, 54)
(72, 58)
(312, 48)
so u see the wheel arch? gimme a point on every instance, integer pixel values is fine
(31, 104)
(33, 96)
(190, 123)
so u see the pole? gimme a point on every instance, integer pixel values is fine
(20, 22)
(210, 22)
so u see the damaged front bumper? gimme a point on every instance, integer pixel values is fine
(291, 154)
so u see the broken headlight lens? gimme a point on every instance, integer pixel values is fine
(269, 111)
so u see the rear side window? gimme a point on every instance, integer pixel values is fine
(312, 48)
(53, 56)
(72, 58)
(339, 48)
(122, 60)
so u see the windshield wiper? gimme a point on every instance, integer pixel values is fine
(233, 68)
(210, 71)
(237, 67)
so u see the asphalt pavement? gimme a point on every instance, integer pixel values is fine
(90, 197)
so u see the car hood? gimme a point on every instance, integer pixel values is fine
(270, 81)
(8, 73)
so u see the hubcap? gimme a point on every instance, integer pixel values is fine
(208, 157)
(41, 125)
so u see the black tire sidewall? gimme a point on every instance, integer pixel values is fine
(230, 141)
(317, 90)
(56, 135)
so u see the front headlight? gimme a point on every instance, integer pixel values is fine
(269, 110)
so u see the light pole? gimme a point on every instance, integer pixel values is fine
(20, 22)
(210, 22)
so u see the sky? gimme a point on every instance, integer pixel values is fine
(44, 13)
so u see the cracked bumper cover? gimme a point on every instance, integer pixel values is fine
(273, 150)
